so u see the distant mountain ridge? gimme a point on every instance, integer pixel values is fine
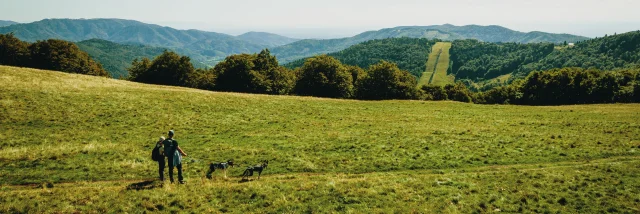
(7, 23)
(492, 33)
(208, 47)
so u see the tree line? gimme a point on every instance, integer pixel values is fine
(52, 54)
(325, 76)
(562, 86)
(320, 76)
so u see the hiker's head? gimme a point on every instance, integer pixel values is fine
(161, 139)
(171, 133)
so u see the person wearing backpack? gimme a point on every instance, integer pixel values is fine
(158, 155)
(172, 151)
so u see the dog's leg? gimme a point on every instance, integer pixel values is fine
(210, 172)
(244, 174)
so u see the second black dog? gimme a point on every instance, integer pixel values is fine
(257, 168)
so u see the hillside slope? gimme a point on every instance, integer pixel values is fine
(324, 154)
(310, 47)
(409, 54)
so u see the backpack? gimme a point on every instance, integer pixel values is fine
(155, 153)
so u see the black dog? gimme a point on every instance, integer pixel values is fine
(258, 168)
(222, 166)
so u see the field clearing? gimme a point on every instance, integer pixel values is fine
(91, 138)
(437, 66)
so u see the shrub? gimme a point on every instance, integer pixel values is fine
(168, 68)
(254, 73)
(434, 92)
(324, 76)
(385, 80)
(458, 92)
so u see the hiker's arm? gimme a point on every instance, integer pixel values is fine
(181, 152)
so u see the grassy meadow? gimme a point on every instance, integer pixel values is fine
(74, 143)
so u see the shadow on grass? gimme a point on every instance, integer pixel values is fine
(244, 181)
(145, 185)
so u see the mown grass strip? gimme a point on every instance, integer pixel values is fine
(440, 76)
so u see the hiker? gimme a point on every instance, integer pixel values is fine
(172, 151)
(160, 157)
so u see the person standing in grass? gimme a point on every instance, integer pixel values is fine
(161, 161)
(173, 152)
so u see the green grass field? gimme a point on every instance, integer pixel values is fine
(437, 66)
(74, 143)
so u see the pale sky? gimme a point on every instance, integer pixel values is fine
(339, 18)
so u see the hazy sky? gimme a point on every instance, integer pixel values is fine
(337, 18)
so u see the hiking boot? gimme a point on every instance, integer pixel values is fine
(181, 182)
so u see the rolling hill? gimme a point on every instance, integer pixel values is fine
(207, 47)
(310, 47)
(81, 144)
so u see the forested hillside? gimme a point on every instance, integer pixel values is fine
(479, 61)
(116, 58)
(310, 47)
(609, 52)
(408, 53)
(494, 64)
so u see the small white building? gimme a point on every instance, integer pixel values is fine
(571, 44)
